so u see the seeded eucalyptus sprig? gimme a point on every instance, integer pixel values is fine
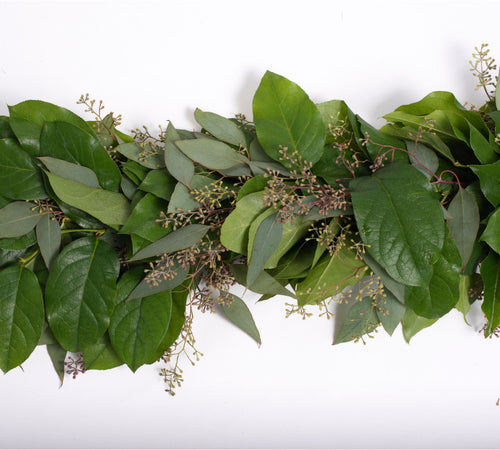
(109, 243)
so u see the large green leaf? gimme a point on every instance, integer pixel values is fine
(388, 206)
(48, 235)
(18, 218)
(101, 355)
(80, 292)
(71, 171)
(21, 315)
(490, 272)
(441, 294)
(20, 178)
(412, 324)
(286, 117)
(266, 241)
(158, 182)
(330, 276)
(464, 223)
(491, 234)
(489, 178)
(223, 129)
(27, 133)
(138, 326)
(210, 153)
(65, 141)
(111, 208)
(238, 313)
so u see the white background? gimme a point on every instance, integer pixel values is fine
(154, 61)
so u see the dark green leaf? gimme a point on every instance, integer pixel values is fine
(220, 127)
(64, 141)
(159, 183)
(489, 178)
(19, 243)
(21, 315)
(57, 355)
(28, 134)
(5, 128)
(20, 178)
(386, 206)
(138, 326)
(211, 154)
(491, 234)
(239, 314)
(412, 324)
(135, 171)
(101, 355)
(18, 218)
(286, 117)
(48, 234)
(81, 292)
(490, 272)
(71, 171)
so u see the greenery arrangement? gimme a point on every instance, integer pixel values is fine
(109, 242)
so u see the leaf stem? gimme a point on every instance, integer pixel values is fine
(25, 261)
(82, 230)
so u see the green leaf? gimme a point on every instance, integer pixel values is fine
(491, 234)
(39, 112)
(21, 315)
(386, 207)
(239, 314)
(285, 116)
(18, 218)
(391, 312)
(267, 240)
(176, 240)
(490, 272)
(397, 289)
(412, 324)
(138, 326)
(111, 208)
(64, 141)
(20, 178)
(57, 356)
(148, 156)
(223, 129)
(464, 223)
(19, 243)
(178, 164)
(159, 183)
(254, 184)
(81, 291)
(6, 131)
(71, 171)
(211, 154)
(463, 304)
(48, 234)
(420, 155)
(489, 178)
(441, 294)
(330, 276)
(361, 319)
(134, 171)
(101, 355)
(27, 133)
(234, 230)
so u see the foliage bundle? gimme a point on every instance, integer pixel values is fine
(109, 242)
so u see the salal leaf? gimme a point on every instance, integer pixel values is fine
(286, 117)
(18, 218)
(101, 355)
(211, 154)
(39, 112)
(159, 183)
(111, 208)
(413, 323)
(65, 141)
(238, 313)
(57, 356)
(21, 315)
(146, 156)
(71, 171)
(178, 164)
(176, 240)
(19, 243)
(489, 178)
(138, 326)
(491, 234)
(442, 292)
(387, 205)
(361, 319)
(27, 133)
(48, 235)
(390, 312)
(80, 292)
(490, 272)
(330, 276)
(223, 129)
(20, 178)
(266, 241)
(234, 231)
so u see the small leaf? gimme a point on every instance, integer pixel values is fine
(18, 218)
(286, 117)
(391, 312)
(491, 234)
(267, 240)
(138, 326)
(361, 319)
(80, 292)
(464, 223)
(48, 234)
(159, 183)
(176, 240)
(490, 272)
(178, 164)
(57, 356)
(111, 208)
(147, 157)
(21, 315)
(71, 171)
(101, 355)
(421, 155)
(412, 324)
(223, 129)
(396, 288)
(239, 314)
(463, 304)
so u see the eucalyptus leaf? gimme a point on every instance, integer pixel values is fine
(159, 183)
(490, 272)
(48, 235)
(71, 171)
(221, 128)
(145, 154)
(239, 314)
(57, 356)
(18, 218)
(178, 164)
(391, 312)
(263, 284)
(361, 319)
(491, 234)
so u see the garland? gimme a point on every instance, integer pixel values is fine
(109, 242)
